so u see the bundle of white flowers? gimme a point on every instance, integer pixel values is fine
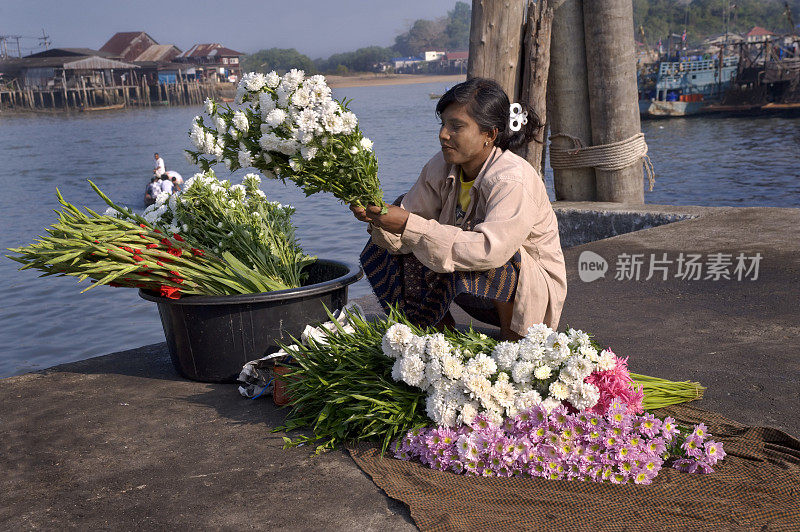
(289, 127)
(546, 367)
(236, 222)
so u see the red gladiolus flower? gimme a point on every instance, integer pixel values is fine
(177, 237)
(152, 246)
(166, 242)
(176, 280)
(142, 235)
(137, 258)
(170, 292)
(156, 231)
(198, 252)
(96, 241)
(143, 226)
(175, 251)
(137, 251)
(126, 248)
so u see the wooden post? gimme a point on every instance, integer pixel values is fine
(64, 83)
(613, 93)
(535, 72)
(568, 97)
(495, 42)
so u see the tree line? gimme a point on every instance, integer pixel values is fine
(447, 33)
(653, 20)
(657, 19)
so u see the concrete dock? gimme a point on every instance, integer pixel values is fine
(122, 442)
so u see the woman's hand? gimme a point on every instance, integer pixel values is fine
(393, 221)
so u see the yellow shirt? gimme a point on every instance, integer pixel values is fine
(463, 195)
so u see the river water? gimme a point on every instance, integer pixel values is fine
(43, 322)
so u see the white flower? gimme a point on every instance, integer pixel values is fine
(527, 400)
(542, 372)
(292, 79)
(415, 347)
(253, 81)
(538, 333)
(478, 386)
(245, 158)
(210, 106)
(531, 351)
(275, 117)
(198, 136)
(433, 370)
(522, 371)
(307, 121)
(482, 365)
(558, 390)
(161, 199)
(294, 165)
(588, 352)
(349, 121)
(366, 144)
(452, 368)
(578, 368)
(549, 404)
(399, 335)
(265, 103)
(584, 396)
(607, 360)
(437, 346)
(353, 150)
(332, 122)
(301, 97)
(114, 213)
(272, 79)
(240, 121)
(221, 124)
(505, 354)
(504, 393)
(468, 412)
(411, 370)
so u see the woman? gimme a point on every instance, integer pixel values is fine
(476, 228)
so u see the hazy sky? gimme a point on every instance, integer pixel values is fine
(316, 28)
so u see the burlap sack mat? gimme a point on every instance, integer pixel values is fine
(756, 487)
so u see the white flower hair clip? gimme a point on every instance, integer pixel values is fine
(517, 117)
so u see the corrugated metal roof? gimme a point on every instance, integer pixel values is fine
(209, 50)
(452, 56)
(67, 63)
(70, 52)
(159, 52)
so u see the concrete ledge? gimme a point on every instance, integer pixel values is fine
(582, 222)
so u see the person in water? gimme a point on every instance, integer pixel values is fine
(477, 227)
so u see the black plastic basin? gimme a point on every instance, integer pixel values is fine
(210, 338)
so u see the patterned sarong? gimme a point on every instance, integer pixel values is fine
(425, 296)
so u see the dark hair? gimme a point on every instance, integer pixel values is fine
(487, 103)
(164, 177)
(154, 179)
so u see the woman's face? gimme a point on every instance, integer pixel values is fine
(462, 140)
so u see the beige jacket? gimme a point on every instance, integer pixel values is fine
(509, 211)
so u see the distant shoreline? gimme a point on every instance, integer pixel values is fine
(374, 80)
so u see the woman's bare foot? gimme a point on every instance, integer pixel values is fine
(447, 322)
(505, 311)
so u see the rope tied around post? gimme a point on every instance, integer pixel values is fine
(613, 156)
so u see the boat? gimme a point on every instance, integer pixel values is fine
(687, 87)
(103, 107)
